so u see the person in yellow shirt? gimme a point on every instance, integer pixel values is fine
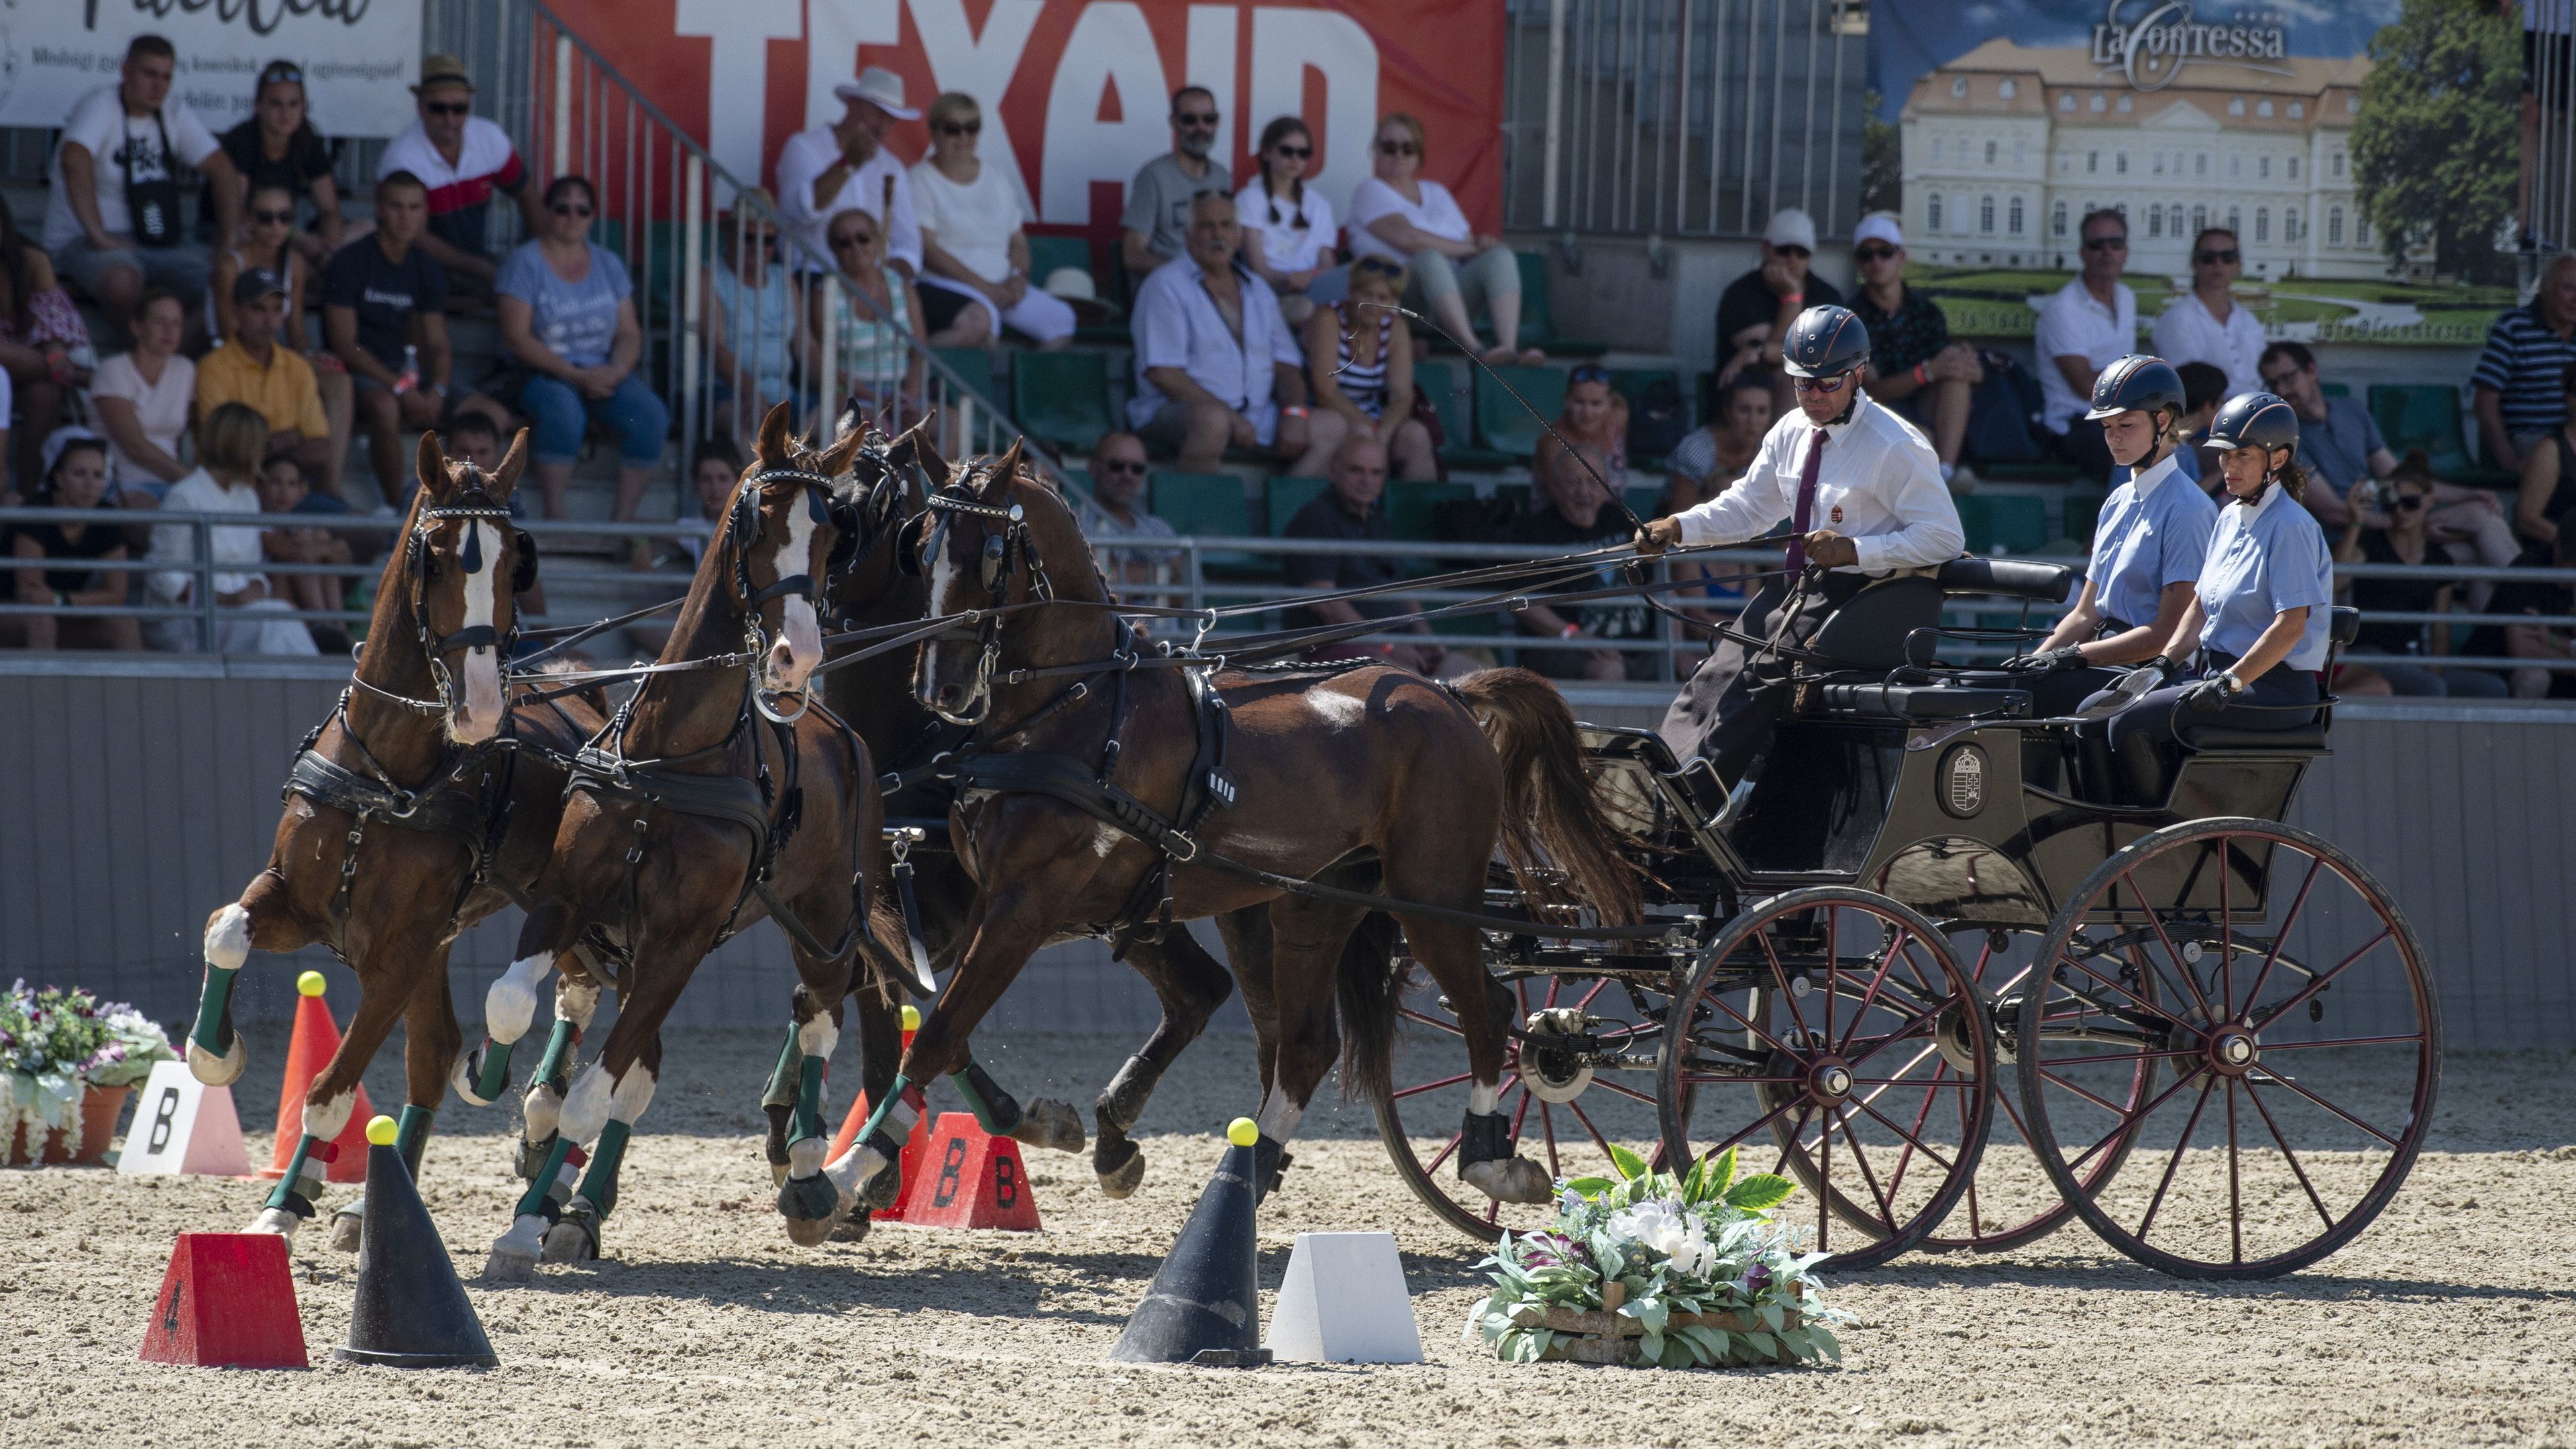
(252, 369)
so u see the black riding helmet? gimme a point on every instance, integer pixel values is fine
(2136, 384)
(2254, 420)
(1825, 341)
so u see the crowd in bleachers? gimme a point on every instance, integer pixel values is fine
(1270, 384)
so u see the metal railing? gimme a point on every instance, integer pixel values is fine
(2548, 211)
(1683, 118)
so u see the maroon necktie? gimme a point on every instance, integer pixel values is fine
(1805, 514)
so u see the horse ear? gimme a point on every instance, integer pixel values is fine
(433, 467)
(925, 450)
(845, 446)
(777, 435)
(999, 476)
(513, 463)
(853, 420)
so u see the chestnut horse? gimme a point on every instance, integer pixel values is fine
(1323, 767)
(716, 796)
(418, 808)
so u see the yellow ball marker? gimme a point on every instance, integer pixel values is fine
(912, 1018)
(1243, 1132)
(380, 1131)
(311, 983)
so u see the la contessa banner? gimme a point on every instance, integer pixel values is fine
(2369, 186)
(359, 56)
(1075, 95)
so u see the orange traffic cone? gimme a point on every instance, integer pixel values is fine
(316, 1038)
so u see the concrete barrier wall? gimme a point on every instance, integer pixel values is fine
(133, 804)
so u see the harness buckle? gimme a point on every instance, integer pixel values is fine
(1180, 847)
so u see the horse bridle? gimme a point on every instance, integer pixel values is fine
(744, 525)
(473, 506)
(1005, 552)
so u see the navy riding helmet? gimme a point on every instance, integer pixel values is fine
(1825, 341)
(2254, 420)
(2136, 384)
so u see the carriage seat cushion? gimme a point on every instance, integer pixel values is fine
(2212, 737)
(2046, 583)
(1877, 699)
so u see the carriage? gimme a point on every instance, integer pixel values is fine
(1945, 967)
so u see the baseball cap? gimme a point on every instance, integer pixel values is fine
(254, 284)
(1791, 227)
(1879, 226)
(879, 87)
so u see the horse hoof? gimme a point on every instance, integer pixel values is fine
(281, 1221)
(879, 1192)
(218, 1071)
(347, 1226)
(1509, 1179)
(808, 1200)
(1050, 1124)
(1122, 1181)
(532, 1157)
(504, 1267)
(573, 1240)
(514, 1255)
(778, 1174)
(854, 1228)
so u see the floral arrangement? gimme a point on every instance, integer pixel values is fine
(1654, 1271)
(56, 1044)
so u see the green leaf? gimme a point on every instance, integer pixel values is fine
(1825, 1340)
(1773, 1316)
(1763, 1344)
(1651, 1347)
(1630, 1165)
(1720, 1171)
(1591, 1186)
(1761, 1191)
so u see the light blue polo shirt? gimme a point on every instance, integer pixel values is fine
(2262, 560)
(2154, 531)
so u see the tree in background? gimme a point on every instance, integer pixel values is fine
(2434, 145)
(1882, 160)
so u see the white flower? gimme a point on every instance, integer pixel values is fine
(1667, 1228)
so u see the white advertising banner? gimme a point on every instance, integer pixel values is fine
(359, 56)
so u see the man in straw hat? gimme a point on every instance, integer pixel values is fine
(462, 158)
(831, 168)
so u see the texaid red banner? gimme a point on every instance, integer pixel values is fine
(1075, 92)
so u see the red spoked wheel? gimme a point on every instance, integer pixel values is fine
(2012, 1201)
(2277, 1005)
(1575, 1079)
(1865, 1056)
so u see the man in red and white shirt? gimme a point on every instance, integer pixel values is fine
(463, 159)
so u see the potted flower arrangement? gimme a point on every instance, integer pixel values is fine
(1651, 1270)
(66, 1065)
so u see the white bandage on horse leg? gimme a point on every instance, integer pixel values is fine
(510, 1006)
(327, 1120)
(585, 1110)
(228, 938)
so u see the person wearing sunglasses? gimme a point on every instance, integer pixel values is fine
(2207, 324)
(1453, 270)
(753, 326)
(845, 164)
(463, 159)
(112, 218)
(1359, 359)
(2084, 327)
(1155, 226)
(2404, 539)
(1288, 225)
(1756, 309)
(1861, 491)
(572, 336)
(1217, 367)
(1593, 415)
(974, 248)
(1116, 509)
(277, 145)
(1914, 367)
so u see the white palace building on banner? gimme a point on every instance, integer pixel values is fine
(2008, 146)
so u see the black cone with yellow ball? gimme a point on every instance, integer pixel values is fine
(1204, 1305)
(411, 1311)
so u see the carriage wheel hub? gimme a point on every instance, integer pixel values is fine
(1829, 1080)
(2233, 1050)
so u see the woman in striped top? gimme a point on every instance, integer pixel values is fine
(1359, 357)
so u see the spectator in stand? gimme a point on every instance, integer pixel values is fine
(1416, 224)
(44, 346)
(1915, 370)
(2404, 540)
(844, 165)
(1359, 362)
(1216, 366)
(1116, 509)
(2204, 388)
(2207, 324)
(1287, 225)
(1755, 310)
(974, 250)
(1594, 416)
(458, 159)
(276, 145)
(474, 437)
(75, 477)
(230, 445)
(872, 314)
(112, 216)
(1351, 511)
(1705, 464)
(268, 250)
(751, 324)
(142, 399)
(2539, 641)
(1574, 515)
(2548, 491)
(2527, 354)
(382, 301)
(2340, 446)
(282, 492)
(1155, 227)
(259, 370)
(2085, 326)
(569, 325)
(715, 471)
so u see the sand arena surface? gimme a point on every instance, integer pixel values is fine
(2451, 1321)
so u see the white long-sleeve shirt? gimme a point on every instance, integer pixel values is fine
(1879, 485)
(805, 157)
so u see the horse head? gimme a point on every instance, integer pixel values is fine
(782, 533)
(983, 543)
(462, 564)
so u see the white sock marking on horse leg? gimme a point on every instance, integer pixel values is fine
(511, 1005)
(586, 1109)
(228, 938)
(326, 1120)
(634, 1093)
(576, 1001)
(543, 1108)
(1482, 1099)
(816, 1038)
(1279, 1116)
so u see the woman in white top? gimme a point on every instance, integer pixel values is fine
(142, 399)
(974, 252)
(229, 448)
(1398, 215)
(1287, 225)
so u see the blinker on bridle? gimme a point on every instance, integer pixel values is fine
(1004, 551)
(472, 507)
(743, 527)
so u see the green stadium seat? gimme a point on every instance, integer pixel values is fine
(2081, 516)
(1438, 380)
(2427, 416)
(2047, 471)
(1538, 319)
(1502, 424)
(2014, 524)
(1411, 507)
(973, 366)
(1289, 495)
(1049, 253)
(2335, 389)
(1062, 397)
(1644, 502)
(1209, 505)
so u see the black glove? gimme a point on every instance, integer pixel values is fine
(2047, 661)
(2209, 696)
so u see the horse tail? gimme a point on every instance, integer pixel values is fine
(1549, 813)
(1369, 987)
